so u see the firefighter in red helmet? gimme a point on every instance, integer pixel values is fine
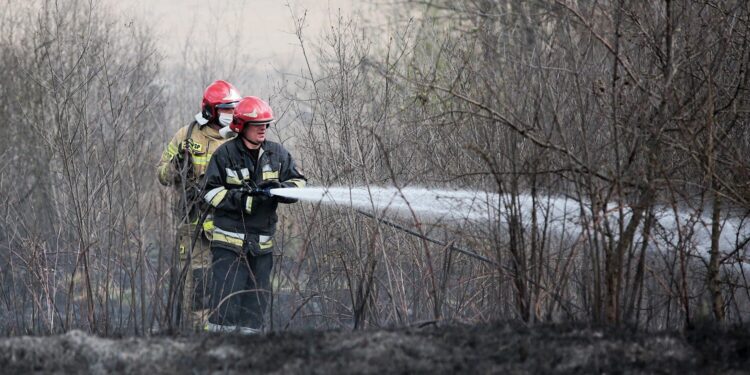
(239, 178)
(183, 165)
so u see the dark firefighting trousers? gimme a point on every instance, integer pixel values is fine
(240, 287)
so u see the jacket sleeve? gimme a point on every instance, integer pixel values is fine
(290, 176)
(166, 170)
(219, 193)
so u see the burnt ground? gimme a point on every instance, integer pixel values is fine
(499, 348)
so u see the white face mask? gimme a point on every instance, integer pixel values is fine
(225, 119)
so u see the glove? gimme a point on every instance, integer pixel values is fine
(270, 184)
(257, 196)
(262, 192)
(179, 160)
(188, 145)
(283, 185)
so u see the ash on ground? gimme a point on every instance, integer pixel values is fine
(499, 348)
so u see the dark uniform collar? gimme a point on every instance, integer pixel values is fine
(241, 146)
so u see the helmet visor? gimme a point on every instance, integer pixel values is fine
(241, 123)
(229, 105)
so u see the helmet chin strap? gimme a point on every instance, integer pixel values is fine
(249, 140)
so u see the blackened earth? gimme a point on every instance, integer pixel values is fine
(499, 348)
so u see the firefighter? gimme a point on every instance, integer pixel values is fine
(183, 165)
(245, 221)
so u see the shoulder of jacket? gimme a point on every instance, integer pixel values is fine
(207, 132)
(202, 136)
(182, 132)
(274, 147)
(222, 149)
(227, 148)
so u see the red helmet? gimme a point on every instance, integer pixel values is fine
(251, 110)
(218, 95)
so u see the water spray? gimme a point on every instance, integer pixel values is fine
(567, 217)
(355, 199)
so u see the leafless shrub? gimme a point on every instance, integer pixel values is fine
(630, 112)
(633, 110)
(80, 229)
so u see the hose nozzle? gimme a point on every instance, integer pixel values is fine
(261, 192)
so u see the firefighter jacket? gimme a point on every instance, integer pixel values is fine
(244, 222)
(183, 164)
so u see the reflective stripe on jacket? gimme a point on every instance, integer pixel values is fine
(230, 167)
(203, 142)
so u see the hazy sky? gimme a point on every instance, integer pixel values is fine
(261, 28)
